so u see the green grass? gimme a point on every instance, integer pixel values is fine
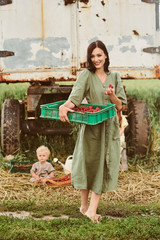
(129, 221)
(71, 208)
(13, 91)
(131, 228)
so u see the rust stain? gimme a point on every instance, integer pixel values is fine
(84, 1)
(104, 19)
(2, 79)
(97, 15)
(103, 3)
(129, 76)
(135, 33)
(50, 81)
(65, 79)
(66, 2)
(157, 71)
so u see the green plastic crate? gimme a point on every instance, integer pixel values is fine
(51, 111)
(22, 166)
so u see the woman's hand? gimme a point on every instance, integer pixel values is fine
(64, 109)
(114, 99)
(109, 91)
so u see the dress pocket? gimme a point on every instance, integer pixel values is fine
(116, 129)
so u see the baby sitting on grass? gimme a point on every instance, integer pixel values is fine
(42, 170)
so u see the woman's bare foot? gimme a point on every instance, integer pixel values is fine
(94, 218)
(83, 210)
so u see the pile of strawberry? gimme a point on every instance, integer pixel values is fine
(83, 109)
(63, 179)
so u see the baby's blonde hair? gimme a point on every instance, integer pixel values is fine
(43, 149)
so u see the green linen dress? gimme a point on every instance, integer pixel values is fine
(96, 156)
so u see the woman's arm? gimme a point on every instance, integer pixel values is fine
(114, 99)
(64, 109)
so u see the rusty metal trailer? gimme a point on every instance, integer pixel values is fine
(44, 42)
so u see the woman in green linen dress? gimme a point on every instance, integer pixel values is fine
(96, 156)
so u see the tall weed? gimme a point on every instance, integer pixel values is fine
(147, 90)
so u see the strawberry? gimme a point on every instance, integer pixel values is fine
(83, 109)
(111, 86)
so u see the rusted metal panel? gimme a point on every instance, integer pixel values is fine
(124, 34)
(32, 103)
(50, 40)
(37, 76)
(139, 73)
(43, 44)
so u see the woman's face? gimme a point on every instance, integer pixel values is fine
(98, 58)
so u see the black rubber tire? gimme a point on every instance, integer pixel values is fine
(10, 127)
(138, 132)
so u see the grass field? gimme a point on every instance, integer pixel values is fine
(147, 90)
(132, 212)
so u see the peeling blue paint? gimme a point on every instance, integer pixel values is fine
(124, 49)
(130, 49)
(57, 44)
(127, 39)
(45, 55)
(124, 39)
(149, 40)
(93, 40)
(133, 49)
(110, 48)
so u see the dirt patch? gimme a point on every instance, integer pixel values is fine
(25, 214)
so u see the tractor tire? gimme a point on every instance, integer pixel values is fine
(10, 127)
(138, 133)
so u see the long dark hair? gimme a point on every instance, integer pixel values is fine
(90, 49)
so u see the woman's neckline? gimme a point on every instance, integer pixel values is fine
(104, 79)
(101, 77)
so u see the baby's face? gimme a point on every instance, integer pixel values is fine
(42, 156)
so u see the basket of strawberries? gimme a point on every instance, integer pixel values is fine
(90, 114)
